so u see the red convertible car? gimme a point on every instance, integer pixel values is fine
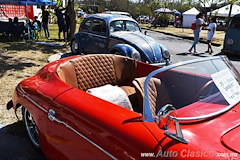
(112, 107)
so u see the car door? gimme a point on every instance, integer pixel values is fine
(63, 139)
(86, 127)
(231, 41)
(97, 37)
(83, 35)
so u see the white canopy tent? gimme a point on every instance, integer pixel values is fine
(224, 11)
(189, 17)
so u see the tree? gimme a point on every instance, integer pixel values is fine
(232, 2)
(72, 15)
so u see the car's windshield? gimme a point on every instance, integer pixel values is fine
(199, 88)
(235, 23)
(121, 25)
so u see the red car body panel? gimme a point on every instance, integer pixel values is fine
(198, 131)
(113, 132)
(117, 130)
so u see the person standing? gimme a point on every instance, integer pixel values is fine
(36, 26)
(199, 24)
(45, 19)
(28, 30)
(61, 22)
(211, 30)
(67, 21)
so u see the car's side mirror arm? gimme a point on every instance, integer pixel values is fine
(163, 113)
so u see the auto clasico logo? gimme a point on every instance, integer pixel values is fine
(188, 154)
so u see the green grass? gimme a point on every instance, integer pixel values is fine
(20, 60)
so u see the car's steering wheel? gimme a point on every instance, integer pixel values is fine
(196, 98)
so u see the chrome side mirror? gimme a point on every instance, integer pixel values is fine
(165, 110)
(164, 113)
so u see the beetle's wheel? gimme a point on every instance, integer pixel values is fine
(75, 47)
(31, 128)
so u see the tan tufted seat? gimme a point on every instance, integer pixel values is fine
(158, 95)
(92, 71)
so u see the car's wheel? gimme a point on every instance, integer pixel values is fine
(75, 46)
(31, 128)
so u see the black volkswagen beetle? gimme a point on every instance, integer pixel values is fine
(117, 34)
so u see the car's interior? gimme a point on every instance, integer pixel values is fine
(92, 71)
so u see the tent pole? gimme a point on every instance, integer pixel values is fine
(28, 24)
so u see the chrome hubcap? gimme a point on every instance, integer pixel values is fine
(74, 46)
(31, 128)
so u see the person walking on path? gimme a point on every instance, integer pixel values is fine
(45, 19)
(199, 24)
(61, 22)
(211, 30)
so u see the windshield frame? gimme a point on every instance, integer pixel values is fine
(147, 114)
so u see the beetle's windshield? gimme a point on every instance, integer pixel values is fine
(199, 88)
(121, 25)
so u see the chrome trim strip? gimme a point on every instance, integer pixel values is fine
(147, 114)
(68, 126)
(25, 96)
(78, 133)
(92, 34)
(158, 64)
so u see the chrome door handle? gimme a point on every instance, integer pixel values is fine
(51, 116)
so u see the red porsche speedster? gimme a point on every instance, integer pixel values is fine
(113, 107)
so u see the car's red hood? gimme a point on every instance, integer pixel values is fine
(230, 139)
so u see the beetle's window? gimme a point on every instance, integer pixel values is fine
(99, 26)
(124, 26)
(235, 23)
(86, 25)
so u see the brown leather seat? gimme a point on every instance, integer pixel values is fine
(158, 95)
(92, 71)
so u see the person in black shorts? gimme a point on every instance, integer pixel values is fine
(61, 22)
(45, 19)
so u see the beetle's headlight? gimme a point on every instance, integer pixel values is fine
(229, 41)
(166, 54)
(136, 56)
